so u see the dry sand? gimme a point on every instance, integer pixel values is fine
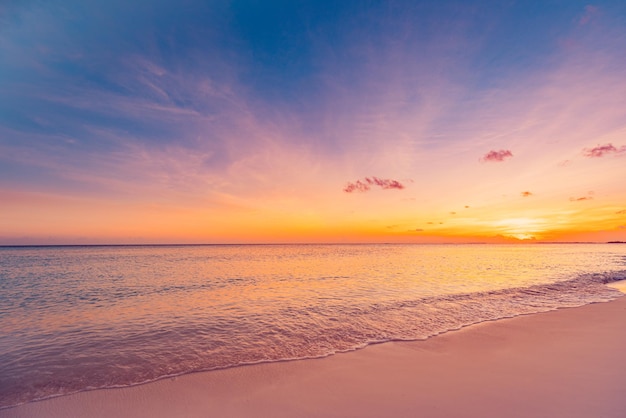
(565, 363)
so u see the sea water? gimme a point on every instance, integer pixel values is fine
(88, 317)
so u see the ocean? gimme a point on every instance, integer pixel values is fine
(87, 317)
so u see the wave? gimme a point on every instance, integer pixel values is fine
(317, 331)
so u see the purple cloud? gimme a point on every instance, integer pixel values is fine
(368, 182)
(496, 156)
(602, 150)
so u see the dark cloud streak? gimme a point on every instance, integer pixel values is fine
(602, 150)
(496, 156)
(368, 182)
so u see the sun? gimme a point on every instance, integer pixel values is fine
(523, 237)
(520, 228)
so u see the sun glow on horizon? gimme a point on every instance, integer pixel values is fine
(522, 228)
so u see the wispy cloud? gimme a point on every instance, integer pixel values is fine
(526, 194)
(368, 182)
(621, 212)
(588, 15)
(496, 156)
(602, 150)
(580, 199)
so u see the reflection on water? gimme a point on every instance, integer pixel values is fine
(74, 318)
(619, 285)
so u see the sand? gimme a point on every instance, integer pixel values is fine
(565, 363)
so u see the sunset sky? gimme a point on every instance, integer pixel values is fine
(312, 121)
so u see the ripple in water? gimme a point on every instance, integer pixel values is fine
(79, 318)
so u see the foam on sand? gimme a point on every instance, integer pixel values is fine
(619, 285)
(563, 363)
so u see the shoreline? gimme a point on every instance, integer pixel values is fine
(557, 363)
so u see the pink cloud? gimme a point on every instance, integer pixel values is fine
(368, 182)
(602, 150)
(496, 156)
(357, 186)
(526, 194)
(590, 12)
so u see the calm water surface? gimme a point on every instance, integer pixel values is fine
(79, 318)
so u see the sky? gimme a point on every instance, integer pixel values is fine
(312, 121)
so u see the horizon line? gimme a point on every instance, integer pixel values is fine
(303, 243)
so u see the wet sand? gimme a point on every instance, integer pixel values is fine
(564, 363)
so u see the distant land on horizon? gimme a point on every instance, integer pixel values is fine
(307, 244)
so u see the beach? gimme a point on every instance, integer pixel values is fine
(563, 363)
